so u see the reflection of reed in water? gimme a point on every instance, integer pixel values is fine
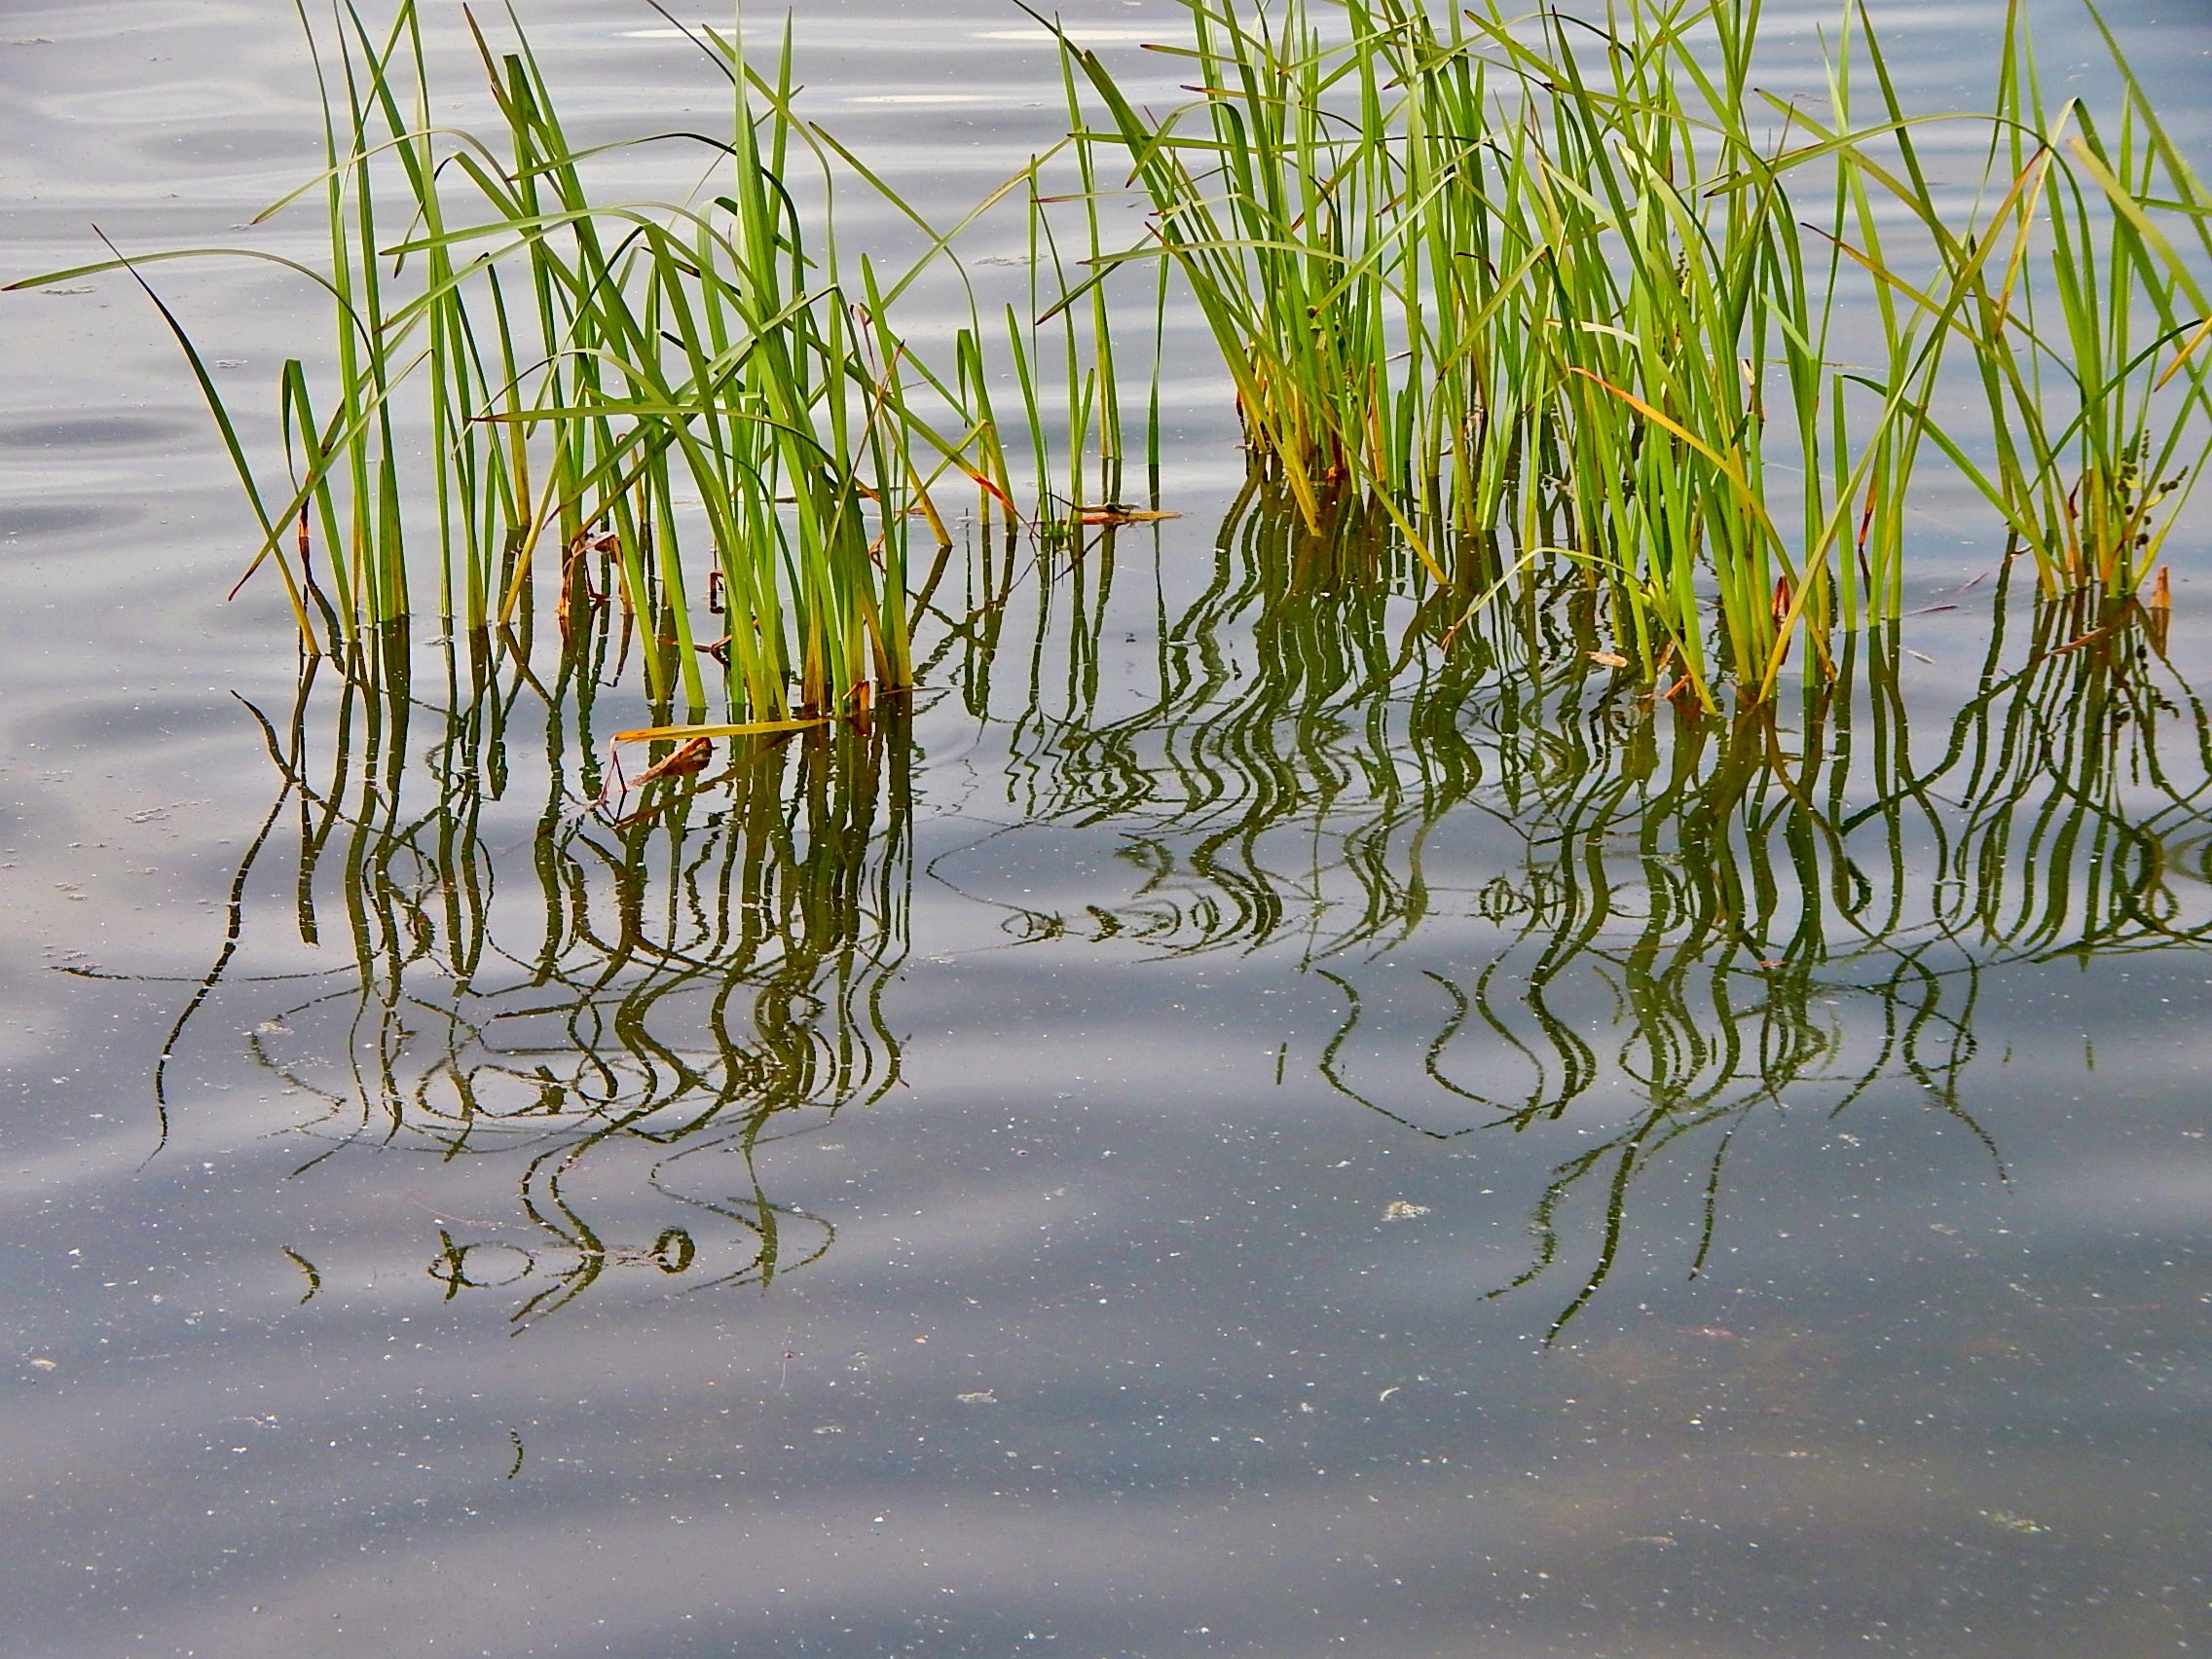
(1706, 917)
(1295, 689)
(1533, 891)
(639, 996)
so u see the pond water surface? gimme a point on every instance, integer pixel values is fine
(1225, 1130)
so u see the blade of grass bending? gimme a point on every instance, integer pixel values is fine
(134, 261)
(273, 531)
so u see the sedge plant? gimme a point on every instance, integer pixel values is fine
(680, 407)
(1580, 287)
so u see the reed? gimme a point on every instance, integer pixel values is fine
(1579, 287)
(1548, 294)
(678, 407)
(2096, 376)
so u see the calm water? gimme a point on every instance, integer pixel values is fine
(1227, 1131)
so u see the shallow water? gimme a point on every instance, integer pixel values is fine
(1223, 1131)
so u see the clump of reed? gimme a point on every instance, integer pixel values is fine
(597, 388)
(1578, 287)
(1548, 294)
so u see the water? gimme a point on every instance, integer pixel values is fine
(1226, 1131)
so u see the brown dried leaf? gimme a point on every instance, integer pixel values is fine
(1112, 516)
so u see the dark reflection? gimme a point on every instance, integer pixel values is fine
(1542, 894)
(1538, 893)
(661, 991)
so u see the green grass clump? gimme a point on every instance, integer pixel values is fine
(598, 387)
(1548, 293)
(1580, 287)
